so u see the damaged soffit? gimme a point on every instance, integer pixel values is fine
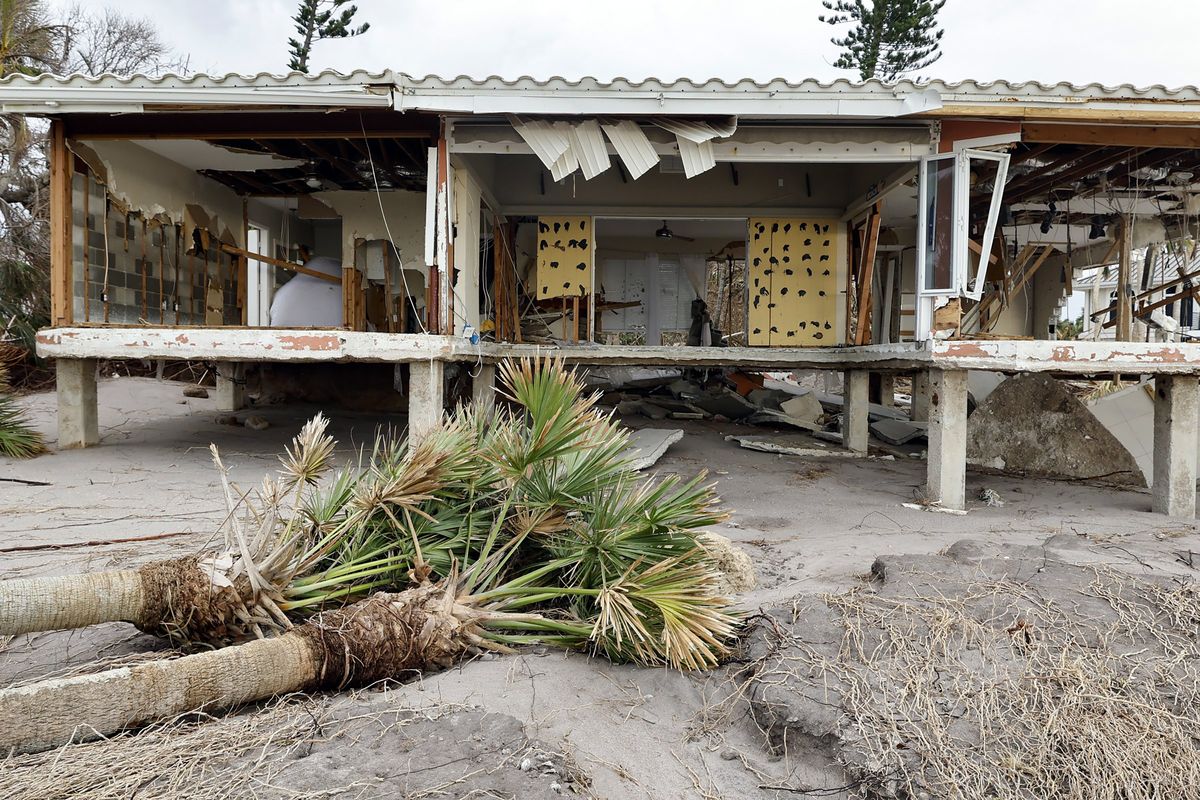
(564, 146)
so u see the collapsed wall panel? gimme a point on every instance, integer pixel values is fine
(793, 282)
(565, 255)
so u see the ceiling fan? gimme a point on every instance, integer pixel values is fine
(311, 178)
(666, 233)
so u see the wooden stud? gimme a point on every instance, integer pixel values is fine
(145, 270)
(1124, 306)
(866, 277)
(87, 230)
(278, 262)
(390, 302)
(191, 271)
(61, 225)
(162, 276)
(104, 294)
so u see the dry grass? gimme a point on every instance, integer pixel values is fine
(197, 756)
(993, 690)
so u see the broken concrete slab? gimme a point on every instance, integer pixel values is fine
(804, 407)
(898, 431)
(768, 417)
(648, 445)
(792, 444)
(769, 398)
(1031, 424)
(629, 377)
(726, 403)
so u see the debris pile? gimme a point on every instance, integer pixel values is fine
(772, 401)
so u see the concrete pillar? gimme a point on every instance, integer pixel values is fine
(483, 386)
(1176, 407)
(855, 408)
(947, 466)
(78, 415)
(887, 388)
(231, 386)
(426, 398)
(919, 411)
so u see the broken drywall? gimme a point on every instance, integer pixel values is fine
(363, 219)
(145, 181)
(1031, 424)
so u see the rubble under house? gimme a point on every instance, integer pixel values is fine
(923, 229)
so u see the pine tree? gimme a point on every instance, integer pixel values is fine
(315, 20)
(889, 37)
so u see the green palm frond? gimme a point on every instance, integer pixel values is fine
(17, 438)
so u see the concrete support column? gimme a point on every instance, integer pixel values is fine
(947, 466)
(1176, 407)
(231, 386)
(919, 411)
(78, 415)
(426, 398)
(483, 386)
(887, 388)
(855, 408)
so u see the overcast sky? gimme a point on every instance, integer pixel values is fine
(1108, 41)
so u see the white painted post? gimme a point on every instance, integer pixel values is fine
(1176, 406)
(426, 398)
(231, 386)
(947, 453)
(483, 386)
(78, 414)
(855, 408)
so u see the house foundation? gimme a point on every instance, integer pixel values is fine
(1176, 407)
(78, 415)
(947, 454)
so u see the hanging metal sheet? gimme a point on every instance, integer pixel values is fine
(588, 143)
(697, 158)
(632, 145)
(568, 161)
(698, 132)
(548, 142)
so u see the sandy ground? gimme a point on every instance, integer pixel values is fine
(810, 525)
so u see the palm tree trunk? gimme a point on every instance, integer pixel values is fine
(385, 636)
(177, 598)
(70, 601)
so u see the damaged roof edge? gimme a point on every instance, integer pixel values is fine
(842, 98)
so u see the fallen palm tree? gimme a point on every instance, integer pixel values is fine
(511, 526)
(296, 545)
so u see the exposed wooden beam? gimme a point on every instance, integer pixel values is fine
(279, 262)
(1124, 308)
(1112, 135)
(62, 168)
(259, 125)
(1103, 116)
(1085, 167)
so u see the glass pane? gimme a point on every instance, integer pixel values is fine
(939, 225)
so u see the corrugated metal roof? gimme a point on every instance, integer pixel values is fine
(837, 98)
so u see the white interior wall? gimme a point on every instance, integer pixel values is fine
(403, 214)
(467, 222)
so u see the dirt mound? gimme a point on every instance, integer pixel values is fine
(1032, 425)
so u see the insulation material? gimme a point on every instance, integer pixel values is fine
(793, 282)
(588, 144)
(632, 145)
(565, 254)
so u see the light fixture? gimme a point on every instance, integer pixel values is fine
(664, 232)
(1097, 230)
(1047, 221)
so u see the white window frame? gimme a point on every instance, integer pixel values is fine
(928, 298)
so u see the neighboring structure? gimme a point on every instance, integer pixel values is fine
(829, 226)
